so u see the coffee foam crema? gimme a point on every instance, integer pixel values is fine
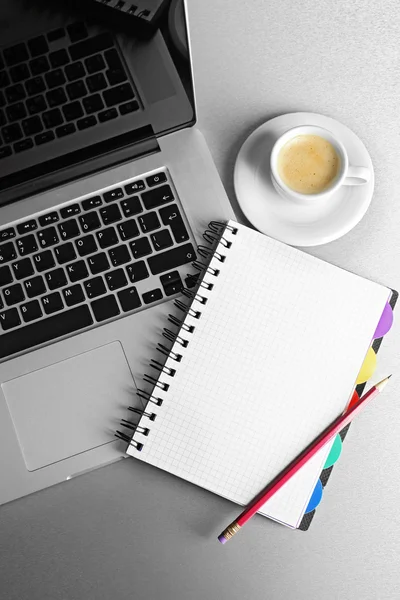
(308, 164)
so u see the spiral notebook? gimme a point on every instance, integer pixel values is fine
(266, 356)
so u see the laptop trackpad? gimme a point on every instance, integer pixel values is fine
(71, 406)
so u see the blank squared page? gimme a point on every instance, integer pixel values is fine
(272, 361)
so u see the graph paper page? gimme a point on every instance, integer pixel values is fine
(272, 361)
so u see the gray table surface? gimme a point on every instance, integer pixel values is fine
(131, 531)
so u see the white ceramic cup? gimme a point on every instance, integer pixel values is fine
(347, 174)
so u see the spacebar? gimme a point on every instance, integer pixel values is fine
(44, 331)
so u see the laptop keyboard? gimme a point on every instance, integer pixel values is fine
(90, 261)
(47, 93)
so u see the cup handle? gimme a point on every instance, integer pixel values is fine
(357, 176)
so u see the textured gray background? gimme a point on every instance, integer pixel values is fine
(129, 531)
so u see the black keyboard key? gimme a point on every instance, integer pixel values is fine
(75, 71)
(86, 122)
(98, 263)
(149, 222)
(23, 268)
(31, 311)
(36, 105)
(129, 299)
(96, 82)
(72, 111)
(171, 216)
(23, 145)
(19, 73)
(48, 219)
(114, 194)
(129, 107)
(137, 271)
(44, 138)
(157, 197)
(116, 76)
(15, 54)
(7, 252)
(5, 80)
(7, 234)
(77, 271)
(107, 237)
(76, 90)
(95, 63)
(86, 245)
(48, 237)
(110, 214)
(73, 295)
(56, 34)
(116, 279)
(44, 261)
(65, 130)
(95, 287)
(56, 279)
(56, 97)
(119, 255)
(35, 286)
(52, 303)
(113, 59)
(15, 93)
(161, 240)
(5, 276)
(118, 94)
(172, 283)
(93, 45)
(15, 112)
(69, 211)
(105, 308)
(27, 244)
(39, 65)
(77, 31)
(55, 78)
(90, 221)
(46, 330)
(69, 229)
(65, 253)
(8, 320)
(12, 133)
(32, 125)
(93, 103)
(128, 229)
(13, 294)
(27, 226)
(166, 261)
(38, 46)
(131, 206)
(5, 152)
(59, 58)
(140, 247)
(152, 296)
(35, 86)
(92, 203)
(107, 115)
(156, 179)
(52, 118)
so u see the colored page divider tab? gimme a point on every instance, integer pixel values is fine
(385, 323)
(368, 367)
(316, 497)
(334, 453)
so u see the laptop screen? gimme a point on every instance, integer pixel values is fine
(87, 85)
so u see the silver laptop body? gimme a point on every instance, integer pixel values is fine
(98, 232)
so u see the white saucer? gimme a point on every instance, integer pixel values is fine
(283, 219)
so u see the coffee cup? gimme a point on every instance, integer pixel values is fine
(309, 163)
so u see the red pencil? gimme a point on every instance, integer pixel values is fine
(324, 437)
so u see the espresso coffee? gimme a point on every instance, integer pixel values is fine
(308, 164)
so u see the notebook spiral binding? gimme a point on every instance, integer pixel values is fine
(214, 239)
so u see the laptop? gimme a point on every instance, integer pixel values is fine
(106, 186)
